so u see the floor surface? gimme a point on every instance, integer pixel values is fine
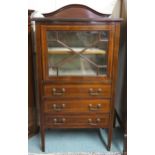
(77, 140)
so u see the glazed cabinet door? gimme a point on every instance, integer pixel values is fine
(77, 52)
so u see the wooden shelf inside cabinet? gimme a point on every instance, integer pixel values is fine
(55, 50)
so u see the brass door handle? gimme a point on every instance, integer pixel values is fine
(91, 108)
(55, 93)
(90, 121)
(58, 108)
(95, 93)
(59, 121)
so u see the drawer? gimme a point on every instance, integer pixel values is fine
(77, 106)
(80, 91)
(77, 121)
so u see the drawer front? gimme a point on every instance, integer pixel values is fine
(76, 121)
(80, 91)
(77, 106)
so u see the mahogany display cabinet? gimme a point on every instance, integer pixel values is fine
(77, 56)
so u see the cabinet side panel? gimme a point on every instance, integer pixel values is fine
(115, 70)
(39, 70)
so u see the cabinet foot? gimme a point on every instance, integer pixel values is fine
(43, 148)
(108, 148)
(109, 139)
(43, 140)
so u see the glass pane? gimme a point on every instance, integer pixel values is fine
(77, 53)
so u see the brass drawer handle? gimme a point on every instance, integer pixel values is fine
(58, 108)
(55, 93)
(59, 121)
(91, 108)
(95, 93)
(90, 121)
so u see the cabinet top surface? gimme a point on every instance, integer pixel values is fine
(76, 19)
(75, 13)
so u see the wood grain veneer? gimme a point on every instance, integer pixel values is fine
(76, 101)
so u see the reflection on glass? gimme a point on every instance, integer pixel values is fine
(77, 53)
